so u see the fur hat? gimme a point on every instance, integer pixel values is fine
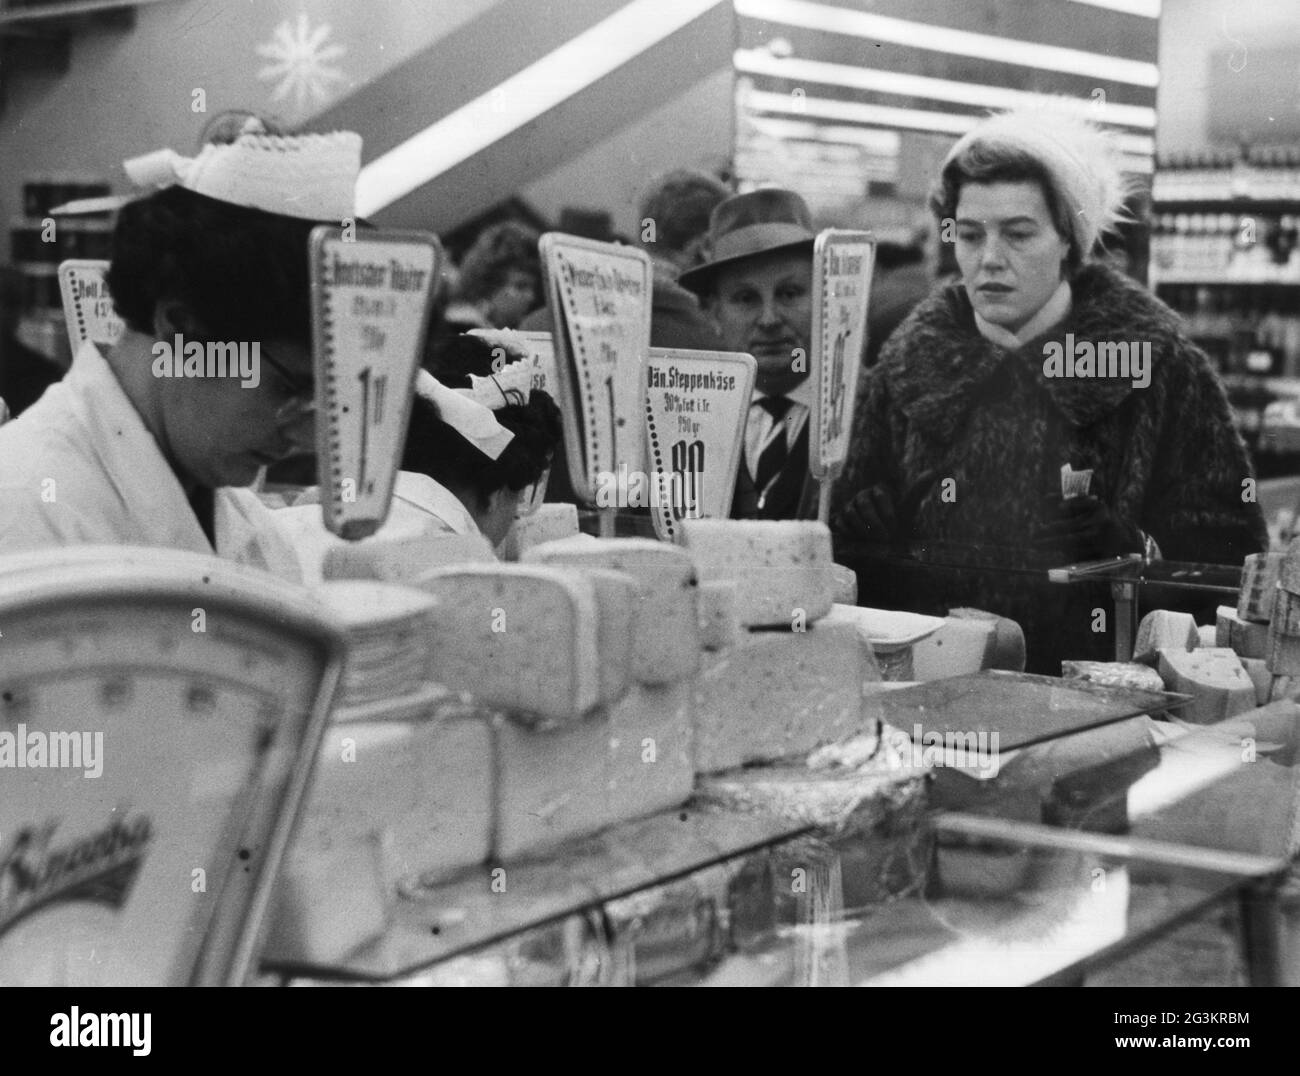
(1081, 159)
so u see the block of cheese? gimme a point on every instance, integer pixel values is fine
(1162, 629)
(1213, 677)
(521, 637)
(616, 595)
(549, 523)
(666, 628)
(651, 750)
(846, 584)
(402, 559)
(550, 784)
(782, 568)
(1114, 674)
(1009, 643)
(1288, 571)
(1286, 613)
(1248, 638)
(779, 694)
(719, 626)
(1258, 586)
(1207, 636)
(1283, 648)
(327, 903)
(1257, 670)
(960, 646)
(861, 621)
(421, 788)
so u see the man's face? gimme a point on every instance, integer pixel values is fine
(516, 296)
(1009, 251)
(764, 306)
(219, 433)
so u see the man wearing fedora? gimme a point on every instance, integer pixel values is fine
(757, 287)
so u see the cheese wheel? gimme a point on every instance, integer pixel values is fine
(779, 695)
(666, 628)
(520, 637)
(782, 568)
(1247, 637)
(549, 523)
(1259, 577)
(1162, 629)
(1214, 678)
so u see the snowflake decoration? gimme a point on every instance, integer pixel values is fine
(301, 63)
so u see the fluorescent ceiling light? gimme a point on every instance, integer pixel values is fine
(762, 62)
(882, 28)
(523, 97)
(1148, 9)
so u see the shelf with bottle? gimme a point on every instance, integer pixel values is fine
(1225, 248)
(1250, 330)
(1257, 174)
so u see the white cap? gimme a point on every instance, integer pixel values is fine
(310, 176)
(467, 416)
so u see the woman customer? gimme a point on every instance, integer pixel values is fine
(1041, 373)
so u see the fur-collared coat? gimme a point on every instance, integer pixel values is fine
(1165, 457)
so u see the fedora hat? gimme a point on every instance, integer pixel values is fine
(765, 221)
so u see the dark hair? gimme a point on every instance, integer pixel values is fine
(436, 449)
(243, 272)
(499, 249)
(681, 203)
(983, 163)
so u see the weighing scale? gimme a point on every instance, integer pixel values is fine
(185, 699)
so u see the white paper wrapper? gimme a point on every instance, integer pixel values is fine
(1075, 483)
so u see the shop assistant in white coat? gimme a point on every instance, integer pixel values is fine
(143, 445)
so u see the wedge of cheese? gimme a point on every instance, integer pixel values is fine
(1215, 679)
(779, 694)
(1248, 638)
(399, 560)
(549, 523)
(520, 637)
(1259, 586)
(550, 784)
(960, 646)
(1257, 670)
(860, 620)
(1114, 674)
(782, 568)
(1009, 643)
(666, 628)
(1162, 629)
(651, 750)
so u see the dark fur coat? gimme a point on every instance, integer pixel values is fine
(1165, 457)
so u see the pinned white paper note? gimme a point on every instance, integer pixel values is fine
(87, 306)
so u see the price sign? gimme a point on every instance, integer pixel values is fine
(599, 295)
(87, 306)
(842, 266)
(696, 406)
(370, 309)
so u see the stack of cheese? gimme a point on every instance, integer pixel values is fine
(388, 629)
(780, 678)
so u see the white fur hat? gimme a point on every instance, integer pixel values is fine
(311, 176)
(1080, 157)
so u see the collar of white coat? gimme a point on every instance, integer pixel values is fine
(434, 499)
(1049, 315)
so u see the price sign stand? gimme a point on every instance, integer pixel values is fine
(87, 306)
(599, 296)
(370, 300)
(697, 403)
(843, 262)
(541, 348)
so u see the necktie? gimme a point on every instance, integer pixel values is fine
(773, 457)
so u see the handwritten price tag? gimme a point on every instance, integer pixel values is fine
(599, 295)
(87, 306)
(370, 310)
(843, 262)
(697, 404)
